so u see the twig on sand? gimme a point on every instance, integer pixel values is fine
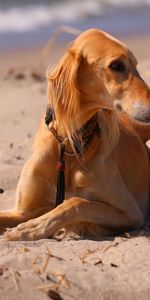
(110, 246)
(88, 252)
(46, 261)
(53, 288)
(62, 279)
(49, 255)
(15, 275)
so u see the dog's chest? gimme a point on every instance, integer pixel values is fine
(78, 185)
(93, 184)
(81, 183)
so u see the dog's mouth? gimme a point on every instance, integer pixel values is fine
(147, 121)
(141, 115)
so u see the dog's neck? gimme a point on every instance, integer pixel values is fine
(84, 136)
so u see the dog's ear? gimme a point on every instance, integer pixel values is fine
(63, 93)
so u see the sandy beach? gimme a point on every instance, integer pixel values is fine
(116, 268)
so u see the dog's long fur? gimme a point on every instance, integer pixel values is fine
(107, 190)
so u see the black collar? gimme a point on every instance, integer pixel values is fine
(87, 132)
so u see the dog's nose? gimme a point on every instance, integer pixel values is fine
(117, 105)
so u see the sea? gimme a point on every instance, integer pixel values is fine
(30, 23)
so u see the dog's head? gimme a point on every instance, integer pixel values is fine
(76, 89)
(113, 63)
(117, 68)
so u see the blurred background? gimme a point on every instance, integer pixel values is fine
(29, 23)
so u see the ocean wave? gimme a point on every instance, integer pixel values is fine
(30, 17)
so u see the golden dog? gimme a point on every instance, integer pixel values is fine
(107, 180)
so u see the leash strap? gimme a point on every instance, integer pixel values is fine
(87, 131)
(60, 167)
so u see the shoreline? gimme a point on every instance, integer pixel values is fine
(30, 56)
(126, 19)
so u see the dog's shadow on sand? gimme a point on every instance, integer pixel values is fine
(142, 232)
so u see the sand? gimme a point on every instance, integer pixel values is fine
(115, 268)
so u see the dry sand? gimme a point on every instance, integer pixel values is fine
(116, 268)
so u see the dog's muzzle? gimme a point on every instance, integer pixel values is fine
(136, 110)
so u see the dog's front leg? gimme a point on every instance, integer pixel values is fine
(73, 212)
(35, 193)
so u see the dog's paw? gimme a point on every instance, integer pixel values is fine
(28, 231)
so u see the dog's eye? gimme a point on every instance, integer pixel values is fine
(117, 66)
